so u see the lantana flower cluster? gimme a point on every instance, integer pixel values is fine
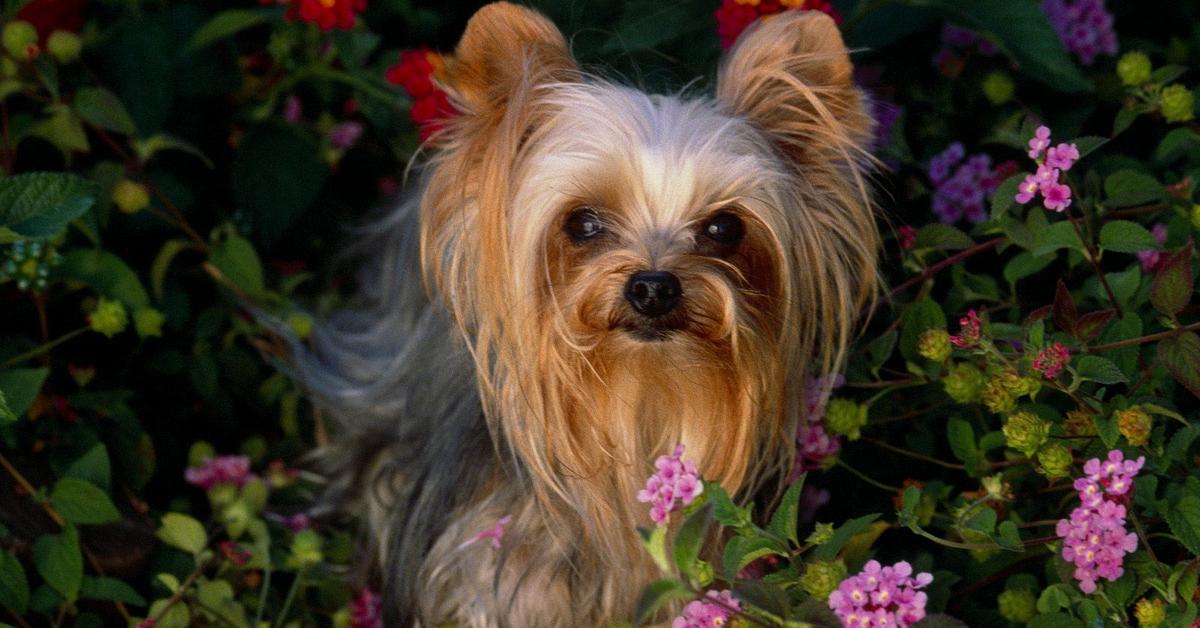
(1052, 360)
(1152, 260)
(366, 610)
(815, 447)
(217, 470)
(734, 16)
(417, 72)
(327, 14)
(1052, 161)
(962, 184)
(674, 484)
(711, 612)
(881, 596)
(1085, 28)
(1094, 536)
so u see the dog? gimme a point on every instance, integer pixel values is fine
(584, 276)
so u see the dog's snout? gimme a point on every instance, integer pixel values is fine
(653, 292)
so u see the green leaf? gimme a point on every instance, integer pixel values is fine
(184, 532)
(690, 539)
(146, 149)
(62, 128)
(93, 466)
(102, 108)
(941, 237)
(908, 506)
(1181, 355)
(21, 386)
(1184, 520)
(14, 586)
(1175, 144)
(841, 536)
(1124, 118)
(881, 348)
(1124, 236)
(1054, 620)
(1023, 32)
(962, 441)
(1024, 265)
(743, 550)
(172, 616)
(1003, 197)
(41, 204)
(59, 560)
(1088, 143)
(1058, 235)
(1098, 369)
(1172, 287)
(1008, 537)
(657, 595)
(226, 24)
(1120, 592)
(1181, 442)
(1167, 73)
(105, 273)
(786, 517)
(236, 259)
(655, 542)
(766, 596)
(1053, 598)
(81, 502)
(6, 413)
(919, 316)
(277, 175)
(103, 588)
(725, 511)
(939, 620)
(1126, 188)
(216, 600)
(162, 262)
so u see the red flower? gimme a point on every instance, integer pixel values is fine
(328, 14)
(234, 553)
(48, 16)
(417, 72)
(734, 16)
(908, 237)
(970, 332)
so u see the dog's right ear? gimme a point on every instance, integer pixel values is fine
(506, 51)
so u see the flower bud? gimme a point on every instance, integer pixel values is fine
(996, 397)
(1025, 432)
(1150, 614)
(1135, 424)
(1055, 459)
(1177, 103)
(109, 317)
(964, 383)
(1017, 606)
(998, 88)
(844, 417)
(934, 345)
(822, 533)
(1080, 423)
(64, 46)
(821, 578)
(20, 40)
(130, 196)
(148, 322)
(1134, 68)
(301, 324)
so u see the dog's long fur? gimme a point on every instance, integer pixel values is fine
(517, 388)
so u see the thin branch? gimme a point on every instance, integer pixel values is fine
(1162, 335)
(942, 265)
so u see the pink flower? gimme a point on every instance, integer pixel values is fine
(220, 470)
(881, 596)
(1027, 189)
(366, 610)
(292, 111)
(970, 331)
(1056, 197)
(493, 535)
(1062, 156)
(1151, 260)
(674, 484)
(814, 446)
(711, 612)
(908, 237)
(343, 136)
(1052, 360)
(1094, 536)
(1039, 142)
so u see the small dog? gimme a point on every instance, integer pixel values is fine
(611, 273)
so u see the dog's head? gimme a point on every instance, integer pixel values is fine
(604, 248)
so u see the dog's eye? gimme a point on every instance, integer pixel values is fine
(724, 228)
(583, 224)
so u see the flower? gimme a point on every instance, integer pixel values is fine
(215, 471)
(711, 611)
(20, 39)
(109, 317)
(846, 418)
(130, 196)
(1135, 425)
(881, 596)
(964, 383)
(1152, 260)
(416, 72)
(148, 322)
(815, 447)
(1062, 156)
(493, 535)
(674, 482)
(293, 111)
(908, 237)
(1177, 103)
(1057, 159)
(1055, 460)
(1133, 68)
(1018, 606)
(734, 16)
(1025, 432)
(1079, 423)
(327, 14)
(1039, 142)
(934, 345)
(970, 331)
(1085, 28)
(1094, 536)
(1150, 614)
(1052, 360)
(64, 46)
(1057, 197)
(998, 88)
(366, 610)
(234, 553)
(822, 577)
(342, 136)
(961, 189)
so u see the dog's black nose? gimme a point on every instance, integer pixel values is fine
(653, 292)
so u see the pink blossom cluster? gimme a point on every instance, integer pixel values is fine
(970, 331)
(1055, 160)
(1094, 536)
(712, 613)
(881, 596)
(1052, 360)
(674, 484)
(961, 186)
(814, 446)
(955, 40)
(1084, 27)
(366, 610)
(1151, 260)
(220, 470)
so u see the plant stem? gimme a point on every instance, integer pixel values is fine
(942, 265)
(914, 455)
(287, 601)
(180, 592)
(1162, 335)
(866, 478)
(40, 349)
(1091, 255)
(266, 586)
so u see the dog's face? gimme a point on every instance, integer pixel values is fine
(623, 263)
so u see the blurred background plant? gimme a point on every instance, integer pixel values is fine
(170, 168)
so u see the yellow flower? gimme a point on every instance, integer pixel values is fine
(109, 318)
(130, 196)
(1177, 103)
(1135, 425)
(148, 322)
(64, 46)
(1134, 68)
(998, 87)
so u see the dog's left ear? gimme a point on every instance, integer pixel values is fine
(791, 75)
(506, 51)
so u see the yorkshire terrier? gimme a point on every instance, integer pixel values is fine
(585, 276)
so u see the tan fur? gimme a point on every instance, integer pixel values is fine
(581, 407)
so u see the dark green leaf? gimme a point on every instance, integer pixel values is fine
(1003, 197)
(690, 539)
(1024, 265)
(14, 586)
(1125, 117)
(921, 315)
(184, 532)
(1008, 537)
(1054, 620)
(743, 550)
(939, 620)
(1088, 143)
(40, 204)
(1184, 520)
(962, 441)
(1124, 236)
(236, 259)
(1125, 188)
(80, 502)
(277, 174)
(725, 511)
(937, 236)
(226, 24)
(1058, 235)
(1098, 369)
(102, 108)
(21, 386)
(60, 562)
(102, 588)
(841, 536)
(657, 595)
(1172, 287)
(92, 466)
(1181, 355)
(765, 596)
(105, 273)
(787, 515)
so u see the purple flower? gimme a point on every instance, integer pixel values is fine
(1027, 189)
(675, 483)
(343, 136)
(1094, 536)
(1056, 196)
(711, 612)
(814, 446)
(961, 189)
(1062, 156)
(366, 610)
(1039, 142)
(881, 596)
(291, 110)
(1083, 26)
(1151, 260)
(220, 470)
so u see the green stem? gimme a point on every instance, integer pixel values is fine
(266, 586)
(40, 349)
(287, 601)
(365, 87)
(865, 478)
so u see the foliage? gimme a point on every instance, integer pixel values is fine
(172, 168)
